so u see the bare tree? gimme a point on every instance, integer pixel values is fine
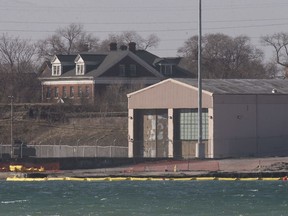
(279, 42)
(17, 69)
(225, 57)
(67, 40)
(16, 55)
(151, 41)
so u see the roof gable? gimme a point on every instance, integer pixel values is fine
(164, 82)
(113, 58)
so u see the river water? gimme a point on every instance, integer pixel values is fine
(241, 198)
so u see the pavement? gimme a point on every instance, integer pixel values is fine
(247, 167)
(225, 167)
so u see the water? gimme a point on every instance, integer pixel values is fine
(144, 198)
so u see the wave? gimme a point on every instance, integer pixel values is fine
(13, 201)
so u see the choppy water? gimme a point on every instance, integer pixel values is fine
(144, 198)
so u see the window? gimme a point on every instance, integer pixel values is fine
(56, 92)
(64, 92)
(56, 70)
(122, 70)
(71, 91)
(166, 69)
(87, 91)
(79, 91)
(79, 69)
(132, 70)
(189, 124)
(48, 92)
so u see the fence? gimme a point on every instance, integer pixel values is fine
(59, 151)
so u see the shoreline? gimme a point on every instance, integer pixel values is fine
(275, 167)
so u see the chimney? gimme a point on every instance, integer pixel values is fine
(123, 47)
(132, 46)
(113, 46)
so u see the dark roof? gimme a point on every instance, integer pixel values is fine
(99, 62)
(93, 58)
(146, 56)
(240, 86)
(66, 58)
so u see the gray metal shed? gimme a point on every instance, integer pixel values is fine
(241, 118)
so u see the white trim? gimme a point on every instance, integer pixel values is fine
(130, 132)
(67, 82)
(80, 69)
(58, 68)
(170, 133)
(80, 62)
(55, 60)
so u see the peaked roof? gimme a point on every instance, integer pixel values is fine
(100, 62)
(116, 56)
(97, 63)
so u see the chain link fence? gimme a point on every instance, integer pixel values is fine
(61, 151)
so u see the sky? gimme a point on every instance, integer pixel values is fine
(172, 21)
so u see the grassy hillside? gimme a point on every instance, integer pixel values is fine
(54, 125)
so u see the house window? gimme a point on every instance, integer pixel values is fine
(48, 92)
(56, 92)
(122, 71)
(71, 91)
(132, 70)
(189, 124)
(166, 69)
(87, 91)
(64, 92)
(79, 91)
(79, 69)
(56, 70)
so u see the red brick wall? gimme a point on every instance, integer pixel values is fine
(76, 96)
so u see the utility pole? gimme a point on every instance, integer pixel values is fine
(11, 124)
(200, 150)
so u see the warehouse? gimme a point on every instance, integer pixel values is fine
(240, 118)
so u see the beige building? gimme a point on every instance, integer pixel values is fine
(241, 118)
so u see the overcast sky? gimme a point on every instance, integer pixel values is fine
(172, 21)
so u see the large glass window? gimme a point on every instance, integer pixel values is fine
(188, 119)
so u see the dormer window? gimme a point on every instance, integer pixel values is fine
(122, 70)
(80, 69)
(132, 70)
(166, 69)
(56, 70)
